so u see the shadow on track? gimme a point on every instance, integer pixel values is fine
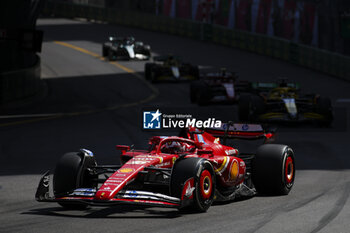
(112, 212)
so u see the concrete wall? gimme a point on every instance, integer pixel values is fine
(20, 83)
(19, 43)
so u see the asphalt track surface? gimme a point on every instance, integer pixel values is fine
(94, 104)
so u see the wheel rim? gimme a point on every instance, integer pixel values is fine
(289, 170)
(206, 184)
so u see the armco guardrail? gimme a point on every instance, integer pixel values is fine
(320, 60)
(18, 84)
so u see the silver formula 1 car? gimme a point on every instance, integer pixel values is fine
(125, 48)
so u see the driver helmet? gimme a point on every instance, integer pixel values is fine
(130, 39)
(172, 147)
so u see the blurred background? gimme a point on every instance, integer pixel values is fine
(278, 28)
(320, 23)
(59, 94)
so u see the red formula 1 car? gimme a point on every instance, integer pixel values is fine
(189, 171)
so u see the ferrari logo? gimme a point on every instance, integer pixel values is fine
(189, 190)
(126, 170)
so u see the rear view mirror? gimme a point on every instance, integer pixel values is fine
(205, 152)
(123, 148)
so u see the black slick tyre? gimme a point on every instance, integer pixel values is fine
(148, 71)
(70, 174)
(273, 169)
(243, 107)
(324, 107)
(203, 175)
(194, 86)
(104, 51)
(202, 93)
(111, 55)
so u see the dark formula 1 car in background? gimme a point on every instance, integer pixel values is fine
(189, 171)
(170, 68)
(283, 102)
(219, 87)
(125, 48)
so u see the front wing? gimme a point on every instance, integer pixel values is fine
(86, 196)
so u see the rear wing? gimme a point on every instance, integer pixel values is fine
(268, 86)
(241, 131)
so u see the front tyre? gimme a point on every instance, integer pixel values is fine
(70, 173)
(204, 189)
(273, 169)
(202, 173)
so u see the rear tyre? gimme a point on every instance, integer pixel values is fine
(194, 71)
(273, 169)
(70, 174)
(154, 74)
(324, 107)
(250, 107)
(104, 51)
(257, 106)
(243, 107)
(194, 86)
(111, 56)
(202, 93)
(148, 71)
(203, 174)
